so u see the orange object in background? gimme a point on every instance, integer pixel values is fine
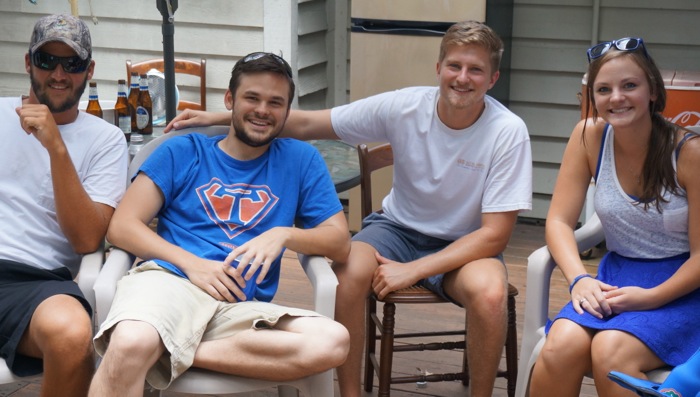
(682, 97)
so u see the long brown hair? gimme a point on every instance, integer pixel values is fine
(658, 174)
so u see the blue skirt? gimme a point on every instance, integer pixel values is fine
(672, 331)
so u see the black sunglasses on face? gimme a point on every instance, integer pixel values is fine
(257, 55)
(46, 61)
(625, 44)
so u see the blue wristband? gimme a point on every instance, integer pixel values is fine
(577, 279)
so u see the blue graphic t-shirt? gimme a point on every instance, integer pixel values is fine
(214, 203)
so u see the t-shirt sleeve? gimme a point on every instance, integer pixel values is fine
(364, 120)
(105, 181)
(172, 161)
(509, 184)
(318, 199)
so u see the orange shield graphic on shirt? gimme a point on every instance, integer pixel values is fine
(236, 207)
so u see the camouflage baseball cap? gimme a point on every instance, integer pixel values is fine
(64, 28)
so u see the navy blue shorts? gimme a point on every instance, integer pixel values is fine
(402, 244)
(22, 289)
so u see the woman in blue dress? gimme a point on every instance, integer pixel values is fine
(642, 310)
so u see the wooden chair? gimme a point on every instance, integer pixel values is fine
(182, 66)
(370, 161)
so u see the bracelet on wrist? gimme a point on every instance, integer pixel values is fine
(577, 279)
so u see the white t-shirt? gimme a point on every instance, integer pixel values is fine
(444, 179)
(30, 231)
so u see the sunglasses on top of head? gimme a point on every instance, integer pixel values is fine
(72, 64)
(257, 55)
(624, 44)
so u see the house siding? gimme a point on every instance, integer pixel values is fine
(550, 38)
(221, 31)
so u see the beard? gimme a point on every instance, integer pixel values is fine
(45, 99)
(462, 101)
(248, 138)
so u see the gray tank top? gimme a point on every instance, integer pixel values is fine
(630, 230)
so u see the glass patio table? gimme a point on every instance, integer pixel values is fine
(341, 159)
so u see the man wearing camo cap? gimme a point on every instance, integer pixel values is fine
(62, 173)
(65, 29)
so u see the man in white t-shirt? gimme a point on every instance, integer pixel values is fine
(462, 173)
(62, 172)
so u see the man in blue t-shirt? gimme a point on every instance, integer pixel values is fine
(221, 201)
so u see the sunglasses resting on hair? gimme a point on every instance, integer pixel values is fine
(257, 55)
(625, 44)
(72, 64)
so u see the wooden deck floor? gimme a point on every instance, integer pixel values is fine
(294, 291)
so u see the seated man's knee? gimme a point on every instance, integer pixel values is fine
(329, 348)
(490, 296)
(338, 343)
(357, 272)
(62, 326)
(482, 283)
(135, 339)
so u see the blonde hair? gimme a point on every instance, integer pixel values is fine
(477, 33)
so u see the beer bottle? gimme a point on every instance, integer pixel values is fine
(122, 112)
(93, 106)
(144, 111)
(135, 145)
(134, 100)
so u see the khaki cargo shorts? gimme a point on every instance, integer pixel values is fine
(184, 315)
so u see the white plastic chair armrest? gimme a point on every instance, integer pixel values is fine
(118, 263)
(323, 281)
(90, 266)
(539, 272)
(590, 234)
(540, 266)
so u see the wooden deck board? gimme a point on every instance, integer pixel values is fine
(295, 291)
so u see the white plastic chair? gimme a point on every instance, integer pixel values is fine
(89, 269)
(539, 272)
(198, 381)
